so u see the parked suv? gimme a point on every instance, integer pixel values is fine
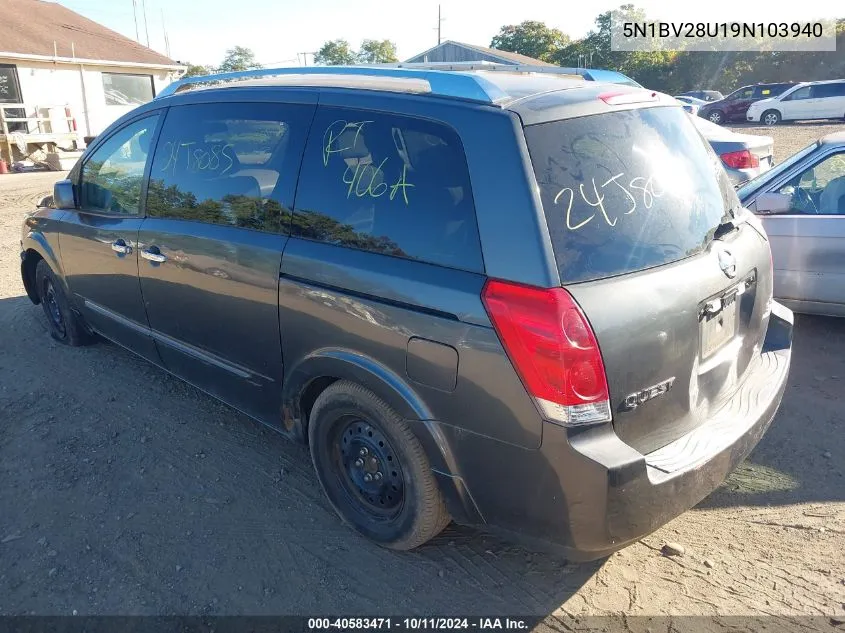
(735, 105)
(521, 302)
(808, 101)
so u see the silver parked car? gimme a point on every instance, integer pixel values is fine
(801, 203)
(744, 156)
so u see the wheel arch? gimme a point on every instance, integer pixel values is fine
(309, 377)
(36, 247)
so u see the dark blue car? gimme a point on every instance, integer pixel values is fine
(525, 303)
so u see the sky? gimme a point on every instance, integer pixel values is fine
(278, 31)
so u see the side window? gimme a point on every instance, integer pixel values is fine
(828, 90)
(389, 184)
(112, 176)
(762, 92)
(229, 163)
(819, 189)
(801, 93)
(817, 92)
(746, 93)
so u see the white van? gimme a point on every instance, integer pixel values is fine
(812, 100)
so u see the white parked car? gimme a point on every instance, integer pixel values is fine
(812, 100)
(691, 104)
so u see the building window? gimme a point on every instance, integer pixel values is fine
(127, 89)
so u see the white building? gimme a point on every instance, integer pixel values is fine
(52, 58)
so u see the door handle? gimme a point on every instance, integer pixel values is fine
(154, 255)
(121, 247)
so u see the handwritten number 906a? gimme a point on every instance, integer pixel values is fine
(362, 179)
(592, 195)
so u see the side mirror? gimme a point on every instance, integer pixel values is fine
(772, 202)
(45, 203)
(63, 195)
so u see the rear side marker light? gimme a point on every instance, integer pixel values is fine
(553, 349)
(742, 159)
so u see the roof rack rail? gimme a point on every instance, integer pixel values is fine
(485, 65)
(443, 84)
(588, 74)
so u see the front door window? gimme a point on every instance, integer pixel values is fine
(819, 190)
(112, 176)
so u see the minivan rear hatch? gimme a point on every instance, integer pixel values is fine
(649, 239)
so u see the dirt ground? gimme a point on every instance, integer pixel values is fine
(125, 491)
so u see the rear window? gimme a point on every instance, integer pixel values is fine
(829, 90)
(627, 191)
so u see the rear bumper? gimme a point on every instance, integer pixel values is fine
(593, 494)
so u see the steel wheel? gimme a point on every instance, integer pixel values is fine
(63, 323)
(373, 468)
(715, 117)
(368, 467)
(51, 303)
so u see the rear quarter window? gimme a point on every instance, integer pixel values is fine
(388, 184)
(627, 190)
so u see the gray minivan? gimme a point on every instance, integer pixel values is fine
(528, 304)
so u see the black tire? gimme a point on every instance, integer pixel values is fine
(770, 117)
(402, 508)
(64, 324)
(716, 116)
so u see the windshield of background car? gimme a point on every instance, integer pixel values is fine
(628, 190)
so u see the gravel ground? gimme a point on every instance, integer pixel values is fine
(125, 491)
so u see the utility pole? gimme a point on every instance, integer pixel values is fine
(166, 39)
(135, 15)
(146, 24)
(439, 22)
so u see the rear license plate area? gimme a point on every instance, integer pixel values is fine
(718, 325)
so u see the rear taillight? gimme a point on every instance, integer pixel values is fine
(742, 159)
(553, 348)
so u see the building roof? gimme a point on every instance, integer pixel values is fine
(34, 27)
(505, 56)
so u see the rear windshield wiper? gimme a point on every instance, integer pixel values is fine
(727, 226)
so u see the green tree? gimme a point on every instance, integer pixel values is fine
(531, 38)
(238, 58)
(335, 53)
(651, 68)
(677, 71)
(195, 70)
(377, 52)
